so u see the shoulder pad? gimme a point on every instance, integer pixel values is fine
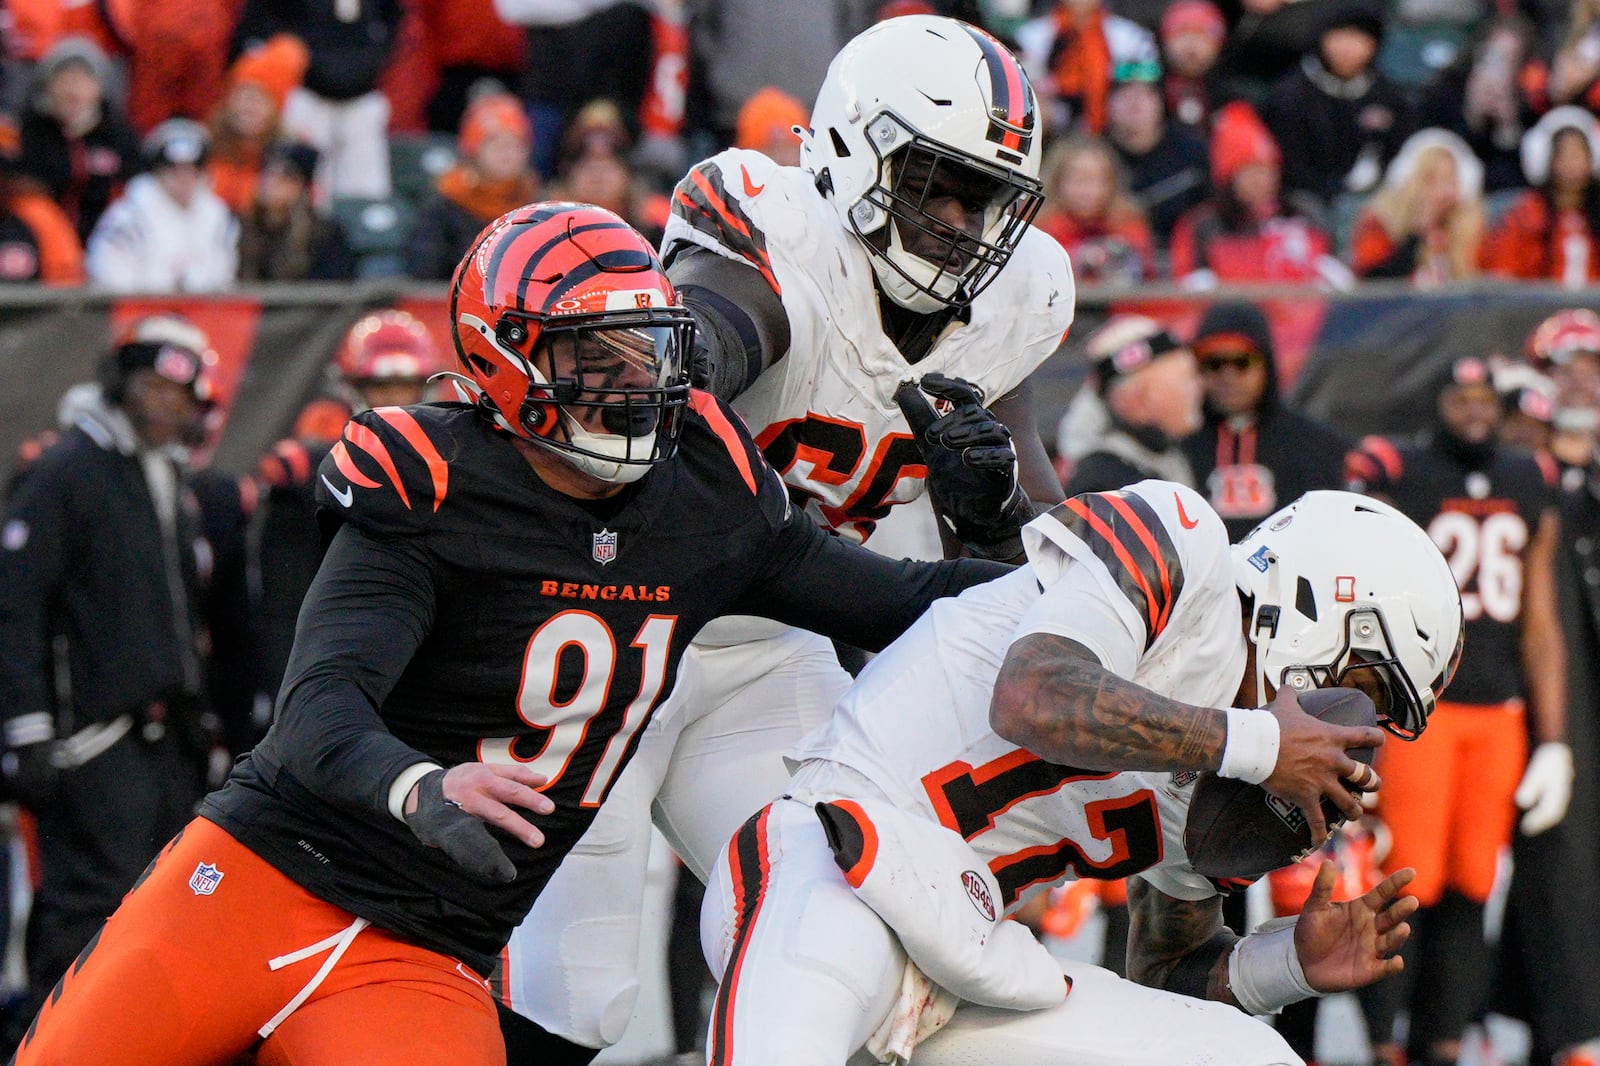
(712, 201)
(1373, 464)
(751, 467)
(1132, 538)
(386, 473)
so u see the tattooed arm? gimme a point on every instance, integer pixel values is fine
(1179, 945)
(1055, 699)
(1182, 946)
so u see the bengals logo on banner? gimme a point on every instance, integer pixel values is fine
(1243, 491)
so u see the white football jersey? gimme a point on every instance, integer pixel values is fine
(824, 414)
(1143, 578)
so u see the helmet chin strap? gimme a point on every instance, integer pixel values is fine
(614, 470)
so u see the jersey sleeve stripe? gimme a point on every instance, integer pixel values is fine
(1147, 526)
(438, 469)
(1118, 560)
(370, 443)
(295, 459)
(347, 467)
(705, 405)
(748, 867)
(706, 208)
(856, 848)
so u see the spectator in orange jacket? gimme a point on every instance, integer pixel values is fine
(37, 240)
(1088, 210)
(466, 41)
(1553, 231)
(1071, 52)
(246, 122)
(1246, 231)
(1426, 223)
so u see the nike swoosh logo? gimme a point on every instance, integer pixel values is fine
(1183, 518)
(345, 498)
(751, 189)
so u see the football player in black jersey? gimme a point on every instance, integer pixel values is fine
(509, 587)
(1450, 800)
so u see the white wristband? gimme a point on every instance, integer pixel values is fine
(1264, 971)
(1251, 750)
(402, 785)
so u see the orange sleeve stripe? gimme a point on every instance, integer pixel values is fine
(347, 467)
(373, 445)
(296, 458)
(1387, 455)
(714, 202)
(1142, 531)
(705, 405)
(1078, 507)
(438, 469)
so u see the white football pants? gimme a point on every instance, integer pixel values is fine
(711, 756)
(809, 973)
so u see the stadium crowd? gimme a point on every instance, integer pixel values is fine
(194, 146)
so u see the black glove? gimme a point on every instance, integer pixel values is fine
(441, 823)
(972, 467)
(31, 778)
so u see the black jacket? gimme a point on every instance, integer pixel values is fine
(347, 57)
(1323, 126)
(80, 174)
(88, 621)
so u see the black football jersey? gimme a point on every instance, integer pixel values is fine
(1482, 519)
(468, 612)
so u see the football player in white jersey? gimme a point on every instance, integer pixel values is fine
(1046, 726)
(899, 250)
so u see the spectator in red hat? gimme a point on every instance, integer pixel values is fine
(1247, 231)
(1192, 35)
(1337, 117)
(1552, 232)
(492, 177)
(766, 124)
(1165, 163)
(1088, 210)
(246, 122)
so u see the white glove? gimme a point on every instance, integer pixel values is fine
(1546, 787)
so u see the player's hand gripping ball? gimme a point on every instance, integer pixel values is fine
(1239, 830)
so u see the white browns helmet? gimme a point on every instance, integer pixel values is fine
(909, 104)
(1341, 585)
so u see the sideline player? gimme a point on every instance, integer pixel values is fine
(1492, 511)
(506, 597)
(899, 249)
(854, 911)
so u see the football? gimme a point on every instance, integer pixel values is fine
(1238, 830)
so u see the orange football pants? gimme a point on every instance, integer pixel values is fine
(1447, 797)
(184, 976)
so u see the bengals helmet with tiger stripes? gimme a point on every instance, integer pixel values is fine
(570, 335)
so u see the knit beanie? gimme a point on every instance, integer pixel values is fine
(770, 111)
(490, 114)
(275, 66)
(1238, 139)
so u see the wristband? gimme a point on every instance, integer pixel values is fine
(1265, 974)
(402, 785)
(1251, 750)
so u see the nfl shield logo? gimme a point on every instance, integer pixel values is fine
(205, 879)
(605, 546)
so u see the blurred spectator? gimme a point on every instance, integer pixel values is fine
(1192, 34)
(246, 122)
(581, 50)
(1527, 406)
(1266, 39)
(1247, 232)
(177, 52)
(1489, 96)
(766, 124)
(1071, 52)
(1551, 231)
(1575, 70)
(73, 140)
(492, 177)
(337, 109)
(1426, 223)
(1337, 118)
(466, 42)
(1253, 455)
(168, 232)
(1143, 395)
(101, 573)
(1566, 348)
(1088, 210)
(37, 240)
(281, 236)
(1165, 163)
(593, 168)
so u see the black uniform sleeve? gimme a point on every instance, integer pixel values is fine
(741, 327)
(365, 615)
(34, 549)
(817, 581)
